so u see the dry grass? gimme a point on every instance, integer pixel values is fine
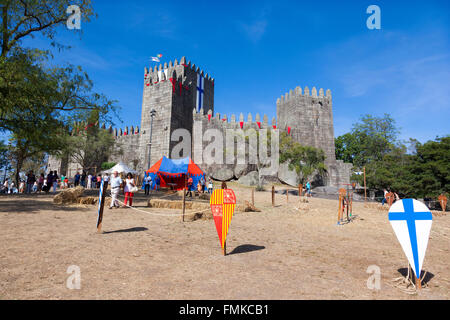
(294, 250)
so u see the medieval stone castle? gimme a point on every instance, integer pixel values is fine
(181, 94)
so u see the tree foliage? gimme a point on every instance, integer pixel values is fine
(39, 102)
(369, 140)
(88, 145)
(423, 174)
(25, 18)
(305, 160)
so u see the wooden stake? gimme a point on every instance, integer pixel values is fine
(273, 196)
(300, 190)
(287, 195)
(418, 284)
(253, 196)
(365, 190)
(224, 249)
(102, 205)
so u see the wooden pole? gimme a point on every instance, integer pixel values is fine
(253, 196)
(273, 196)
(300, 190)
(184, 197)
(418, 284)
(287, 195)
(102, 196)
(365, 190)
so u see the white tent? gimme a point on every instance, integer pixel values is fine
(120, 168)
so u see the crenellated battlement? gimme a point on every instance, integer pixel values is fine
(297, 92)
(214, 120)
(173, 71)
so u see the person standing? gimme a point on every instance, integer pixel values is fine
(308, 189)
(384, 197)
(55, 181)
(6, 185)
(89, 181)
(40, 182)
(31, 179)
(116, 183)
(210, 185)
(147, 184)
(62, 185)
(77, 179)
(94, 181)
(129, 185)
(190, 181)
(22, 186)
(203, 183)
(83, 179)
(49, 182)
(99, 181)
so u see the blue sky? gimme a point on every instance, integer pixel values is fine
(258, 50)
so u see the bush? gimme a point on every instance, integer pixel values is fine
(108, 165)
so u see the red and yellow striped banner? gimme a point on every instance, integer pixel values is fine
(223, 202)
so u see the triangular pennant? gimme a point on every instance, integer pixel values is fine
(411, 221)
(222, 202)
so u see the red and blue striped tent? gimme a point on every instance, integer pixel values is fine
(174, 171)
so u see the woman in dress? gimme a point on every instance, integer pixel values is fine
(129, 184)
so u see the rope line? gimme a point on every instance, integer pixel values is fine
(158, 214)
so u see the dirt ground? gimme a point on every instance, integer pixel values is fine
(279, 253)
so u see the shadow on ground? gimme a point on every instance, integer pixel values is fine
(428, 276)
(246, 248)
(135, 229)
(31, 206)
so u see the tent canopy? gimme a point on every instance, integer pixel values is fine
(120, 168)
(171, 172)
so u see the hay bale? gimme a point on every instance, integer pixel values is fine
(87, 200)
(68, 196)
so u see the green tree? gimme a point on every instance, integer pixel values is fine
(425, 173)
(38, 103)
(369, 140)
(305, 160)
(89, 145)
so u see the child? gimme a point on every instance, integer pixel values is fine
(210, 186)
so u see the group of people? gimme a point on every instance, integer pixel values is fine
(201, 186)
(129, 189)
(88, 180)
(33, 184)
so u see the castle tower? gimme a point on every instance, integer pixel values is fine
(173, 91)
(309, 119)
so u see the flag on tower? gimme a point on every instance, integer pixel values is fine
(200, 92)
